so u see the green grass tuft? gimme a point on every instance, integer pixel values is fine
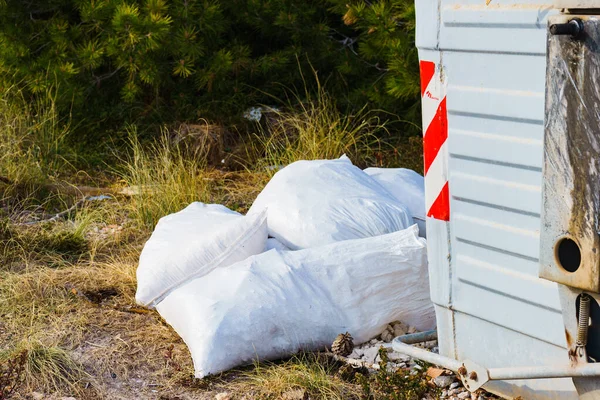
(308, 372)
(164, 178)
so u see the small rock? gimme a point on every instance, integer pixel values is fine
(481, 398)
(412, 329)
(431, 344)
(443, 381)
(297, 394)
(436, 350)
(370, 354)
(444, 393)
(464, 395)
(452, 392)
(399, 328)
(37, 396)
(68, 398)
(388, 334)
(373, 341)
(393, 356)
(391, 367)
(454, 385)
(356, 354)
(223, 396)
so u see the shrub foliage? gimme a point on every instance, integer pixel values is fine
(115, 61)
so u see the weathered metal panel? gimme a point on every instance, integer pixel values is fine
(494, 309)
(570, 239)
(572, 160)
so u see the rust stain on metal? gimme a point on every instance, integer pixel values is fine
(569, 338)
(573, 356)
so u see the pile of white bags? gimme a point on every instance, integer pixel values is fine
(344, 256)
(279, 302)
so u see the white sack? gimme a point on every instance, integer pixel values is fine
(407, 186)
(277, 303)
(313, 203)
(191, 243)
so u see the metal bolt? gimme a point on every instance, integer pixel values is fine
(473, 376)
(462, 371)
(574, 28)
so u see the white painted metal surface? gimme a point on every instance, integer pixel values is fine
(577, 4)
(491, 306)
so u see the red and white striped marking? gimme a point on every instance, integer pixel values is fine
(435, 150)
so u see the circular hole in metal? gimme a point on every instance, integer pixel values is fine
(568, 254)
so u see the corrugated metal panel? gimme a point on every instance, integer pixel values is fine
(493, 61)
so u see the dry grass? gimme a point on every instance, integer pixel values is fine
(318, 130)
(38, 298)
(164, 177)
(85, 333)
(54, 244)
(48, 368)
(32, 145)
(307, 373)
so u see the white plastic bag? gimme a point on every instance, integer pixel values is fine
(313, 203)
(407, 186)
(277, 303)
(191, 243)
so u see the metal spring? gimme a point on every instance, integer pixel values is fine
(584, 320)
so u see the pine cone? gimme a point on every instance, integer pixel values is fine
(342, 345)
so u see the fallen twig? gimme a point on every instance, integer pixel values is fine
(74, 190)
(134, 310)
(80, 190)
(60, 215)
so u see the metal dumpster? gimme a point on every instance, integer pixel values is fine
(483, 74)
